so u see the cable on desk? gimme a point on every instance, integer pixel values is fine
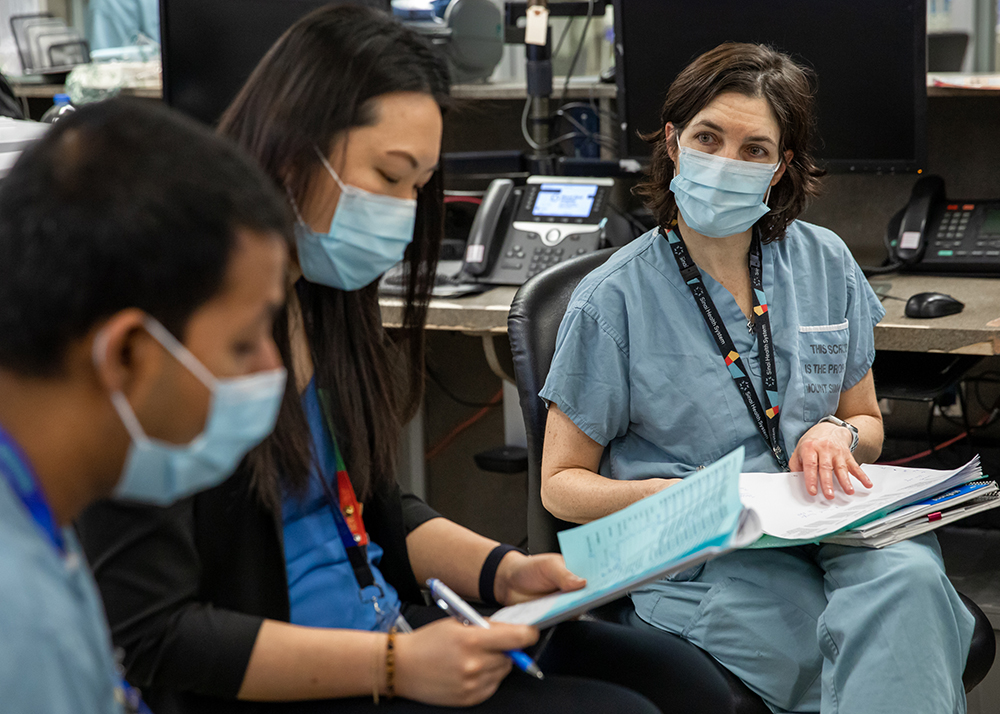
(579, 48)
(563, 35)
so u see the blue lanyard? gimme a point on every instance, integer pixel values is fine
(131, 699)
(21, 477)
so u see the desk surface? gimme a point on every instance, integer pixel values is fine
(583, 87)
(976, 330)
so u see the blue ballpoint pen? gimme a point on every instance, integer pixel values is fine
(450, 602)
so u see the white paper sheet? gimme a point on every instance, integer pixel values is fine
(675, 529)
(786, 509)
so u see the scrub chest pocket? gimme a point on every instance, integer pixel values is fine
(822, 364)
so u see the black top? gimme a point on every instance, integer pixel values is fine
(187, 587)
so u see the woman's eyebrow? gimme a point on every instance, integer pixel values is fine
(715, 127)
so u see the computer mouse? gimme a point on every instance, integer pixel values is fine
(924, 305)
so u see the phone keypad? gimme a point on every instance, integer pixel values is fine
(544, 257)
(952, 241)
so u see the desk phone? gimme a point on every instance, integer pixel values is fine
(948, 235)
(520, 231)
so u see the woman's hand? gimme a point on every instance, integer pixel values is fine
(450, 664)
(522, 577)
(823, 454)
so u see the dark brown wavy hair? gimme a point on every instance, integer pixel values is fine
(753, 71)
(319, 80)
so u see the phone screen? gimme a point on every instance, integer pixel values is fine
(564, 200)
(991, 224)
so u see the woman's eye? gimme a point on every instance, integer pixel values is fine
(704, 138)
(388, 178)
(757, 151)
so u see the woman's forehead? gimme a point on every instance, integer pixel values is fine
(739, 115)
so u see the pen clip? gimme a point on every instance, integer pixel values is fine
(443, 604)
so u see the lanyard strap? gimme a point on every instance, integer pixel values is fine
(130, 698)
(345, 508)
(23, 482)
(767, 417)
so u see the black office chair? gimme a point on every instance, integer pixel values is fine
(706, 687)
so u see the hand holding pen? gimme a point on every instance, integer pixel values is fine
(457, 608)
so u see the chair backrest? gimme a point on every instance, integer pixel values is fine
(534, 319)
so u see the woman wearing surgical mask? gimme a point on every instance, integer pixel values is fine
(299, 578)
(735, 324)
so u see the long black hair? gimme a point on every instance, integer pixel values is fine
(318, 81)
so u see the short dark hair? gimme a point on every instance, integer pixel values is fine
(122, 204)
(319, 80)
(753, 71)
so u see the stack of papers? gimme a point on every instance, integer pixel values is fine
(718, 510)
(921, 517)
(790, 515)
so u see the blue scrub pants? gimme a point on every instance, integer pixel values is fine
(826, 628)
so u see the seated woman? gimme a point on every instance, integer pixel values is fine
(281, 584)
(735, 324)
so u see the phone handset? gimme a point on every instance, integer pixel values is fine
(484, 241)
(912, 238)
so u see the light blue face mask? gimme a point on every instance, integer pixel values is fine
(368, 235)
(242, 412)
(720, 197)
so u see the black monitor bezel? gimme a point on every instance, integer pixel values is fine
(839, 166)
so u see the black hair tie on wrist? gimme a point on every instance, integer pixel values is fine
(488, 575)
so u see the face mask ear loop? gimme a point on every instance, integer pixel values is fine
(99, 351)
(128, 417)
(183, 355)
(294, 204)
(343, 186)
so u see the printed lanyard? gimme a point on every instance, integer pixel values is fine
(18, 472)
(347, 512)
(767, 417)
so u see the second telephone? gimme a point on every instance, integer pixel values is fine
(935, 234)
(520, 231)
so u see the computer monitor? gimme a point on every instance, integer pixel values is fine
(210, 47)
(869, 56)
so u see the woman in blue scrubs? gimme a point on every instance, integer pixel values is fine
(732, 324)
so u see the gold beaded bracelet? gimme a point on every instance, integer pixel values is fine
(390, 668)
(390, 664)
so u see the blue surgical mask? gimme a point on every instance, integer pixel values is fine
(243, 411)
(720, 197)
(368, 235)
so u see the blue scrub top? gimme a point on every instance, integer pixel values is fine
(55, 648)
(637, 370)
(116, 23)
(322, 589)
